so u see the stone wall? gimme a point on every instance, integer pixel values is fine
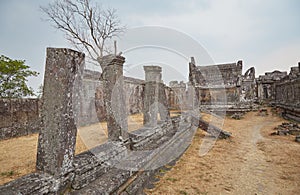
(266, 85)
(92, 104)
(120, 166)
(88, 113)
(287, 93)
(19, 117)
(212, 75)
(134, 94)
(134, 90)
(217, 84)
(112, 168)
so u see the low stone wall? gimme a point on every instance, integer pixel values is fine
(114, 168)
(19, 117)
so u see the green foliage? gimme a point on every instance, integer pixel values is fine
(172, 179)
(183, 192)
(13, 77)
(7, 174)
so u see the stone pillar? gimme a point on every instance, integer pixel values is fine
(191, 97)
(155, 100)
(114, 97)
(56, 145)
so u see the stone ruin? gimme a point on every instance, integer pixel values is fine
(287, 93)
(128, 162)
(155, 102)
(178, 95)
(288, 129)
(282, 91)
(223, 87)
(266, 85)
(19, 117)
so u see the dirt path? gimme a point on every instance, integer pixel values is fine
(252, 162)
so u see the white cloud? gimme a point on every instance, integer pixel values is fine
(279, 59)
(221, 20)
(234, 29)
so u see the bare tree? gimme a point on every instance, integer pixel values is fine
(87, 26)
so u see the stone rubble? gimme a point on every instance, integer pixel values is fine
(237, 115)
(287, 129)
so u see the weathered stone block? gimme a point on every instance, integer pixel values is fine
(19, 117)
(114, 97)
(92, 164)
(57, 138)
(155, 99)
(36, 183)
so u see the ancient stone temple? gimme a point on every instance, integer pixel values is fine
(120, 165)
(223, 85)
(266, 85)
(217, 84)
(287, 94)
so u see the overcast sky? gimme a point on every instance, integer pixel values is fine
(264, 34)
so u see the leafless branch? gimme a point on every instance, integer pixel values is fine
(86, 25)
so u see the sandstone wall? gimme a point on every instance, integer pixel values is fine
(287, 98)
(220, 74)
(92, 104)
(134, 95)
(19, 117)
(288, 92)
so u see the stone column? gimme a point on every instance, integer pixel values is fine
(155, 100)
(114, 97)
(191, 97)
(56, 145)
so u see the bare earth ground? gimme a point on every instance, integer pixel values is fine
(252, 162)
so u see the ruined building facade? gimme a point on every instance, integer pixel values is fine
(222, 84)
(287, 94)
(266, 85)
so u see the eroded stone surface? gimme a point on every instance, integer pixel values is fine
(155, 99)
(222, 84)
(19, 117)
(57, 138)
(114, 97)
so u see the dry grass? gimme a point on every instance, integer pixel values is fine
(251, 162)
(18, 155)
